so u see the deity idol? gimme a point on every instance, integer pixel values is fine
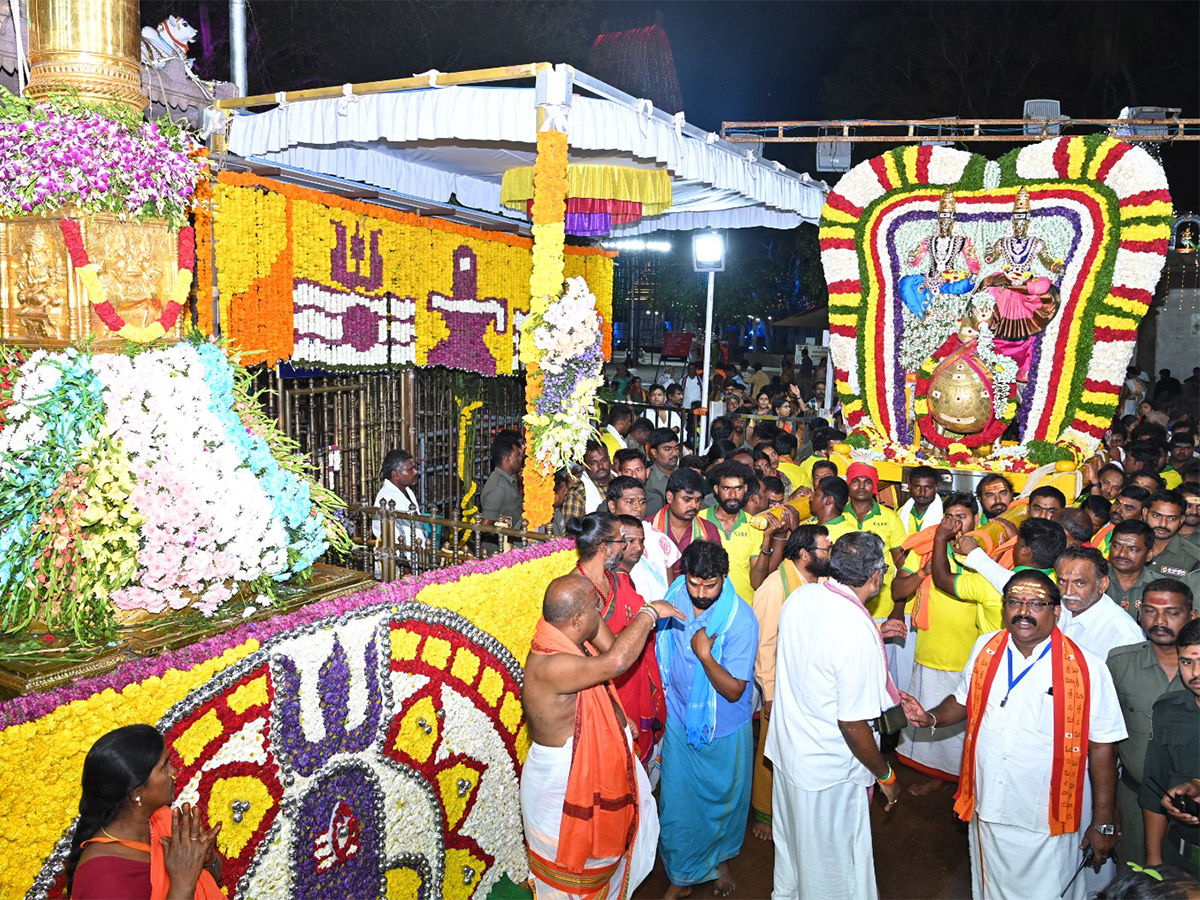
(952, 262)
(1024, 305)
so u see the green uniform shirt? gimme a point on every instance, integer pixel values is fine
(1139, 681)
(1130, 600)
(1179, 557)
(501, 498)
(656, 490)
(1173, 757)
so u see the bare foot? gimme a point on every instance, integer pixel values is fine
(725, 885)
(677, 890)
(761, 831)
(926, 787)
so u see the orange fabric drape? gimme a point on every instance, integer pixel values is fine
(600, 813)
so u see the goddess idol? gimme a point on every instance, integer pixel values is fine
(1024, 305)
(952, 263)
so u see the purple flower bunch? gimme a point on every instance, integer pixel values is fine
(63, 153)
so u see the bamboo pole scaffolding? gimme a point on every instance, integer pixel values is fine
(415, 82)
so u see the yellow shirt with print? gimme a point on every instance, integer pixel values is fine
(885, 523)
(953, 625)
(1171, 478)
(743, 544)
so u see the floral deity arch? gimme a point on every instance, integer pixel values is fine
(971, 297)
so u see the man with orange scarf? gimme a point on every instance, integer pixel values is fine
(589, 817)
(1042, 716)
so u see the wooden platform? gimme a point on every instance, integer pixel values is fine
(26, 668)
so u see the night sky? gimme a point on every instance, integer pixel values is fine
(767, 60)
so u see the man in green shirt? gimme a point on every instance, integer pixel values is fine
(664, 459)
(1142, 673)
(1172, 764)
(501, 496)
(1130, 548)
(1176, 556)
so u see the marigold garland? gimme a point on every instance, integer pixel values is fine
(381, 260)
(202, 217)
(545, 283)
(1121, 194)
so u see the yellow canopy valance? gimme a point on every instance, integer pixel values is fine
(649, 187)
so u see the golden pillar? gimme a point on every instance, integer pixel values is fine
(92, 47)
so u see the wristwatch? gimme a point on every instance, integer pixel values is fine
(1106, 830)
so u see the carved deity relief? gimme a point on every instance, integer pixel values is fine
(38, 279)
(131, 267)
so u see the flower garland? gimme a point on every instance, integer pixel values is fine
(342, 285)
(88, 273)
(545, 284)
(202, 219)
(63, 153)
(1101, 204)
(567, 337)
(211, 699)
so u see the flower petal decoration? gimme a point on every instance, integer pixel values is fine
(1103, 211)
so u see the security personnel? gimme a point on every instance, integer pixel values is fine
(1173, 760)
(1142, 673)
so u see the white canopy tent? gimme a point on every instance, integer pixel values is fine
(454, 143)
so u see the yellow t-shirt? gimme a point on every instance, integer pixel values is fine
(975, 590)
(1171, 478)
(743, 544)
(805, 467)
(795, 474)
(885, 523)
(613, 443)
(946, 644)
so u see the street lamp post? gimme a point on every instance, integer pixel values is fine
(708, 255)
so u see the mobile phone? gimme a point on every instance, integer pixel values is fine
(1185, 804)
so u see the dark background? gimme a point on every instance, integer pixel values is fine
(753, 60)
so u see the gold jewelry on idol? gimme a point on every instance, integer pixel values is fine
(1022, 203)
(947, 203)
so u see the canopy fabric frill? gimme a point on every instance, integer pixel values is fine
(435, 144)
(598, 197)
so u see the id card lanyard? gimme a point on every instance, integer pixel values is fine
(1013, 682)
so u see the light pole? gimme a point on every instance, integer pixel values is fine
(708, 255)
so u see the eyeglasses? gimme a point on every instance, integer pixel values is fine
(883, 567)
(1033, 605)
(615, 541)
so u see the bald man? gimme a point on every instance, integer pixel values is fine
(580, 805)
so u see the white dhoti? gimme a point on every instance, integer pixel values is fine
(900, 654)
(1012, 863)
(543, 791)
(938, 754)
(1092, 880)
(822, 842)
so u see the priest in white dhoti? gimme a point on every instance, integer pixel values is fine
(1042, 717)
(831, 681)
(590, 821)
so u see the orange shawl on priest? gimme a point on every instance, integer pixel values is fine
(1071, 716)
(600, 813)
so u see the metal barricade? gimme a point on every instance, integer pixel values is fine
(409, 544)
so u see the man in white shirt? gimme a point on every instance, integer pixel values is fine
(1091, 618)
(650, 569)
(399, 474)
(1022, 782)
(831, 681)
(1095, 622)
(691, 387)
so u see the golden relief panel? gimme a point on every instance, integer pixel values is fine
(43, 301)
